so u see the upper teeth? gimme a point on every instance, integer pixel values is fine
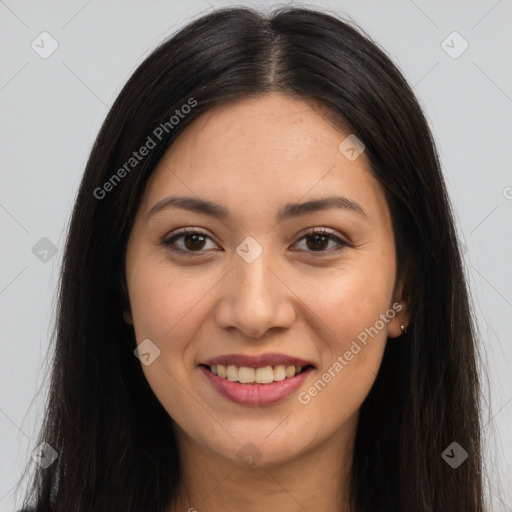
(263, 375)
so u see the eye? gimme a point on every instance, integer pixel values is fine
(189, 241)
(318, 239)
(193, 241)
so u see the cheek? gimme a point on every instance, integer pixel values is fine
(352, 335)
(163, 299)
(164, 302)
(348, 300)
(350, 360)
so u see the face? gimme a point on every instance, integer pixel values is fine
(266, 285)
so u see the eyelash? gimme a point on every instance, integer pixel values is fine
(192, 231)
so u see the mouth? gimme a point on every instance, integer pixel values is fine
(262, 369)
(256, 381)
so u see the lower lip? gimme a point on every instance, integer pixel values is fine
(255, 395)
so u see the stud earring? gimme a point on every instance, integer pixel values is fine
(403, 328)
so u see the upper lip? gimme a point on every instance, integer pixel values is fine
(270, 359)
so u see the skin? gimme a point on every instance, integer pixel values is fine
(253, 156)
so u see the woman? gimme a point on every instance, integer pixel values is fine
(262, 303)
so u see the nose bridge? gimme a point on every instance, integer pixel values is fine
(256, 300)
(254, 282)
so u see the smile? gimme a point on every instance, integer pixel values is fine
(256, 381)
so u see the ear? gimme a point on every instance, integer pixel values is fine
(128, 317)
(402, 316)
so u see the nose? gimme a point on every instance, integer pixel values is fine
(255, 298)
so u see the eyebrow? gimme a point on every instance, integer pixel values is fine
(290, 210)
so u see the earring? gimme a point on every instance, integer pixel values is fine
(403, 328)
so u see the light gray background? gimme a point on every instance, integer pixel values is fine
(52, 109)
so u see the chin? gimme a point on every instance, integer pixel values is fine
(261, 448)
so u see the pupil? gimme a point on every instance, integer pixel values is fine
(317, 237)
(195, 238)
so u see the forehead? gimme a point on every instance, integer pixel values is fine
(261, 152)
